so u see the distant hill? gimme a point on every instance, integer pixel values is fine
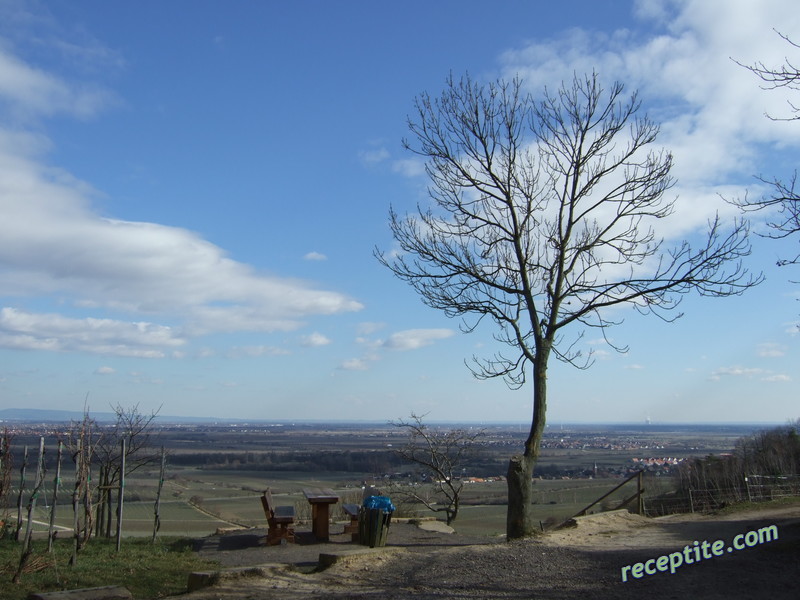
(36, 415)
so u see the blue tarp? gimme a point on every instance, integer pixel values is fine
(382, 502)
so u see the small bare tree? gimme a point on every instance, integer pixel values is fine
(136, 429)
(785, 197)
(81, 441)
(97, 447)
(442, 454)
(544, 221)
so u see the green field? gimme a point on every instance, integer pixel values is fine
(196, 502)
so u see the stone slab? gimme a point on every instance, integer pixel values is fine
(109, 592)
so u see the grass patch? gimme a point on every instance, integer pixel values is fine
(743, 506)
(148, 570)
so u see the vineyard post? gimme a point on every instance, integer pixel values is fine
(121, 494)
(56, 483)
(22, 470)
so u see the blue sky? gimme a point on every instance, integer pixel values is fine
(190, 195)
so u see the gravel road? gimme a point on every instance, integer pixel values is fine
(583, 562)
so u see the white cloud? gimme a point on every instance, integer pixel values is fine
(315, 256)
(711, 110)
(413, 339)
(105, 371)
(771, 350)
(776, 378)
(374, 156)
(256, 351)
(368, 328)
(30, 331)
(409, 167)
(315, 339)
(52, 243)
(748, 372)
(354, 364)
(29, 92)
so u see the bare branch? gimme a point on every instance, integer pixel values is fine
(441, 453)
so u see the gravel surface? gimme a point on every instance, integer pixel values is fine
(584, 562)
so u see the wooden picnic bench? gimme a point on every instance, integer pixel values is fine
(280, 520)
(352, 511)
(320, 500)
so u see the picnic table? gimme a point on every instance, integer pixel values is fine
(320, 500)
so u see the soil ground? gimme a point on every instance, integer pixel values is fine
(584, 562)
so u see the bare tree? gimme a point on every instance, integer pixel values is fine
(785, 197)
(81, 441)
(442, 453)
(95, 446)
(136, 429)
(544, 216)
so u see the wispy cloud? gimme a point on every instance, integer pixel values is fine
(256, 351)
(771, 350)
(314, 340)
(30, 331)
(368, 328)
(53, 242)
(315, 256)
(413, 339)
(30, 93)
(374, 156)
(354, 364)
(749, 373)
(711, 110)
(779, 378)
(409, 167)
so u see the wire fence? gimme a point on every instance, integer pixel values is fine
(755, 488)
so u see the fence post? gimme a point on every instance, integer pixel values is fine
(747, 485)
(121, 495)
(21, 492)
(691, 500)
(640, 485)
(56, 483)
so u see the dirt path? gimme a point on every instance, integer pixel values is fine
(583, 562)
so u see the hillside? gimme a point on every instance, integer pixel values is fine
(583, 562)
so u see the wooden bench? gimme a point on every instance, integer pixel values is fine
(352, 510)
(279, 518)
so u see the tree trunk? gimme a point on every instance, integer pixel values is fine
(519, 520)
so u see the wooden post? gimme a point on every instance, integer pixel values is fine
(157, 507)
(37, 486)
(102, 504)
(121, 495)
(75, 501)
(22, 470)
(640, 484)
(56, 483)
(747, 485)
